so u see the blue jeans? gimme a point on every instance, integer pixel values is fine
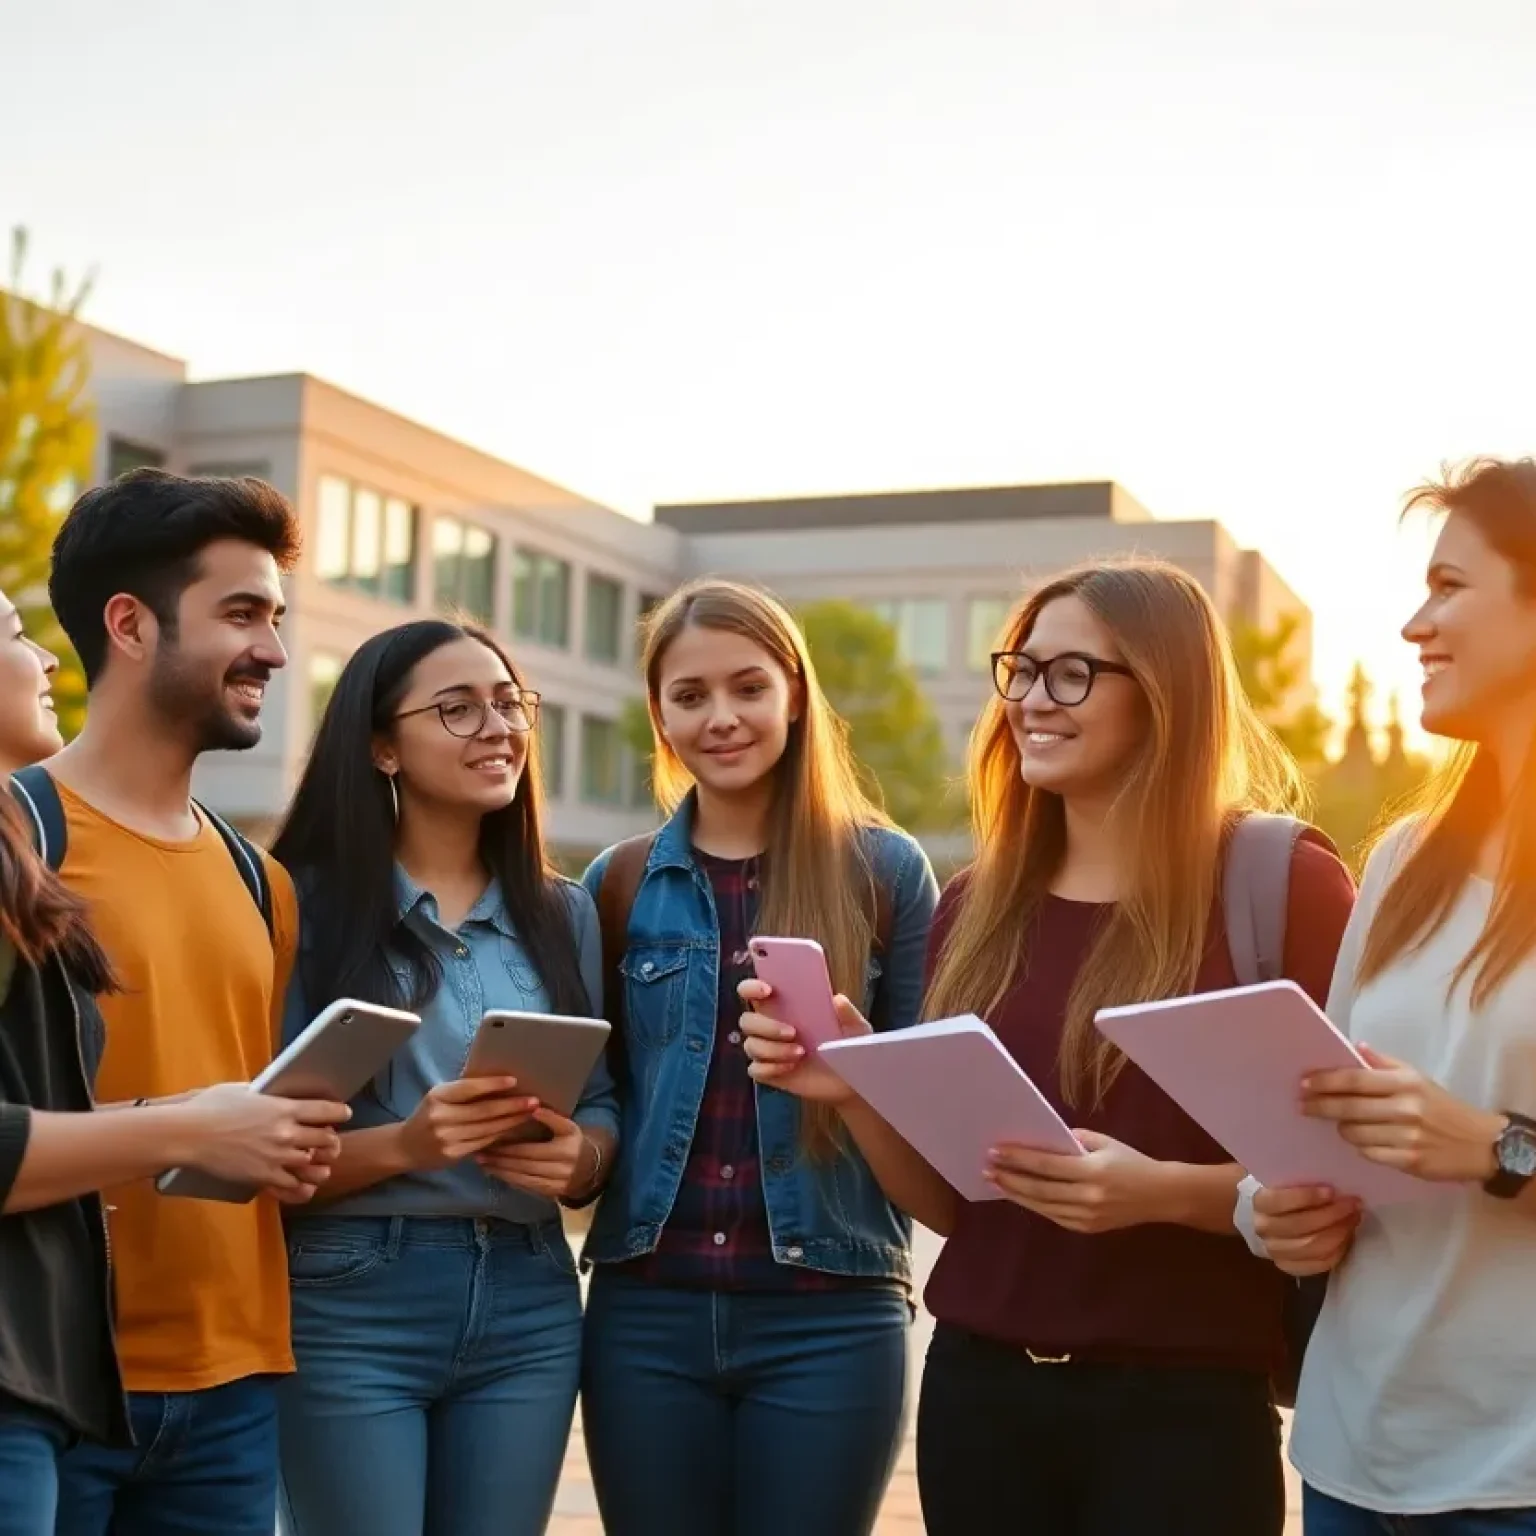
(30, 1446)
(711, 1413)
(204, 1464)
(439, 1360)
(1324, 1516)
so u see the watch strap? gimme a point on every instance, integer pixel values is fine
(1507, 1183)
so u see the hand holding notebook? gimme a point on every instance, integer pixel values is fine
(951, 1091)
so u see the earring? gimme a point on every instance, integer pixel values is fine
(394, 793)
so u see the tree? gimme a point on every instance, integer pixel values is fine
(1354, 791)
(892, 726)
(1270, 675)
(47, 439)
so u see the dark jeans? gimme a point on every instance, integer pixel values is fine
(711, 1413)
(30, 1446)
(205, 1464)
(1323, 1516)
(1009, 1446)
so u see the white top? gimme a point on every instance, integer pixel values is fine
(1418, 1395)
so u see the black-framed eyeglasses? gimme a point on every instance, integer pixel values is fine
(467, 717)
(1069, 678)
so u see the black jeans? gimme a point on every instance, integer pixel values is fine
(1011, 1448)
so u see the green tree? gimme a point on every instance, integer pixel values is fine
(1271, 673)
(892, 726)
(635, 731)
(47, 438)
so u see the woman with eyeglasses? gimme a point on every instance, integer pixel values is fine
(436, 1313)
(1104, 1342)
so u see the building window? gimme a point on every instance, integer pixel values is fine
(123, 455)
(602, 761)
(367, 542)
(552, 747)
(984, 620)
(541, 598)
(463, 568)
(605, 619)
(922, 631)
(324, 674)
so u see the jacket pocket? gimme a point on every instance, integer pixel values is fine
(655, 993)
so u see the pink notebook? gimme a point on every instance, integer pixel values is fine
(954, 1093)
(1234, 1060)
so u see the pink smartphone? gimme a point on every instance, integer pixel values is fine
(796, 969)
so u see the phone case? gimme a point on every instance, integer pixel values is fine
(796, 969)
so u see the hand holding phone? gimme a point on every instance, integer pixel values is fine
(802, 997)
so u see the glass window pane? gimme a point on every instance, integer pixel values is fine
(399, 550)
(477, 588)
(928, 641)
(552, 747)
(367, 539)
(986, 618)
(525, 594)
(447, 552)
(602, 780)
(605, 607)
(554, 602)
(332, 548)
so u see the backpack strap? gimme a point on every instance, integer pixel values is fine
(1256, 890)
(248, 861)
(615, 899)
(38, 796)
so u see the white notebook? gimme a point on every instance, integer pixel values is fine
(952, 1091)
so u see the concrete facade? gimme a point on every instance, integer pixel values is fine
(401, 521)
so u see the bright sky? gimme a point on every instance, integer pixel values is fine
(1268, 262)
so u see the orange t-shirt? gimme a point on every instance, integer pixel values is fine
(202, 1286)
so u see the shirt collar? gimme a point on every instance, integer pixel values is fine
(491, 909)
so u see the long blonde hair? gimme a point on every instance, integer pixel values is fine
(818, 882)
(1206, 760)
(1460, 805)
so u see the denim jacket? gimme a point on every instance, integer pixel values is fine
(828, 1216)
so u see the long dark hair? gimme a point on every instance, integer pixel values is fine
(39, 915)
(338, 842)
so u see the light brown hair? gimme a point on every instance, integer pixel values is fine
(1460, 805)
(1206, 760)
(818, 882)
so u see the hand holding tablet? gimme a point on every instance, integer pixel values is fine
(1234, 1061)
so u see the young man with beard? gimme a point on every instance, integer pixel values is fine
(169, 591)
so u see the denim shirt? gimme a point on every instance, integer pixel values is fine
(828, 1215)
(484, 966)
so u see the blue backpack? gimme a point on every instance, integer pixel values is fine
(38, 796)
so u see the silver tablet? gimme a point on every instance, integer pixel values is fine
(338, 1053)
(550, 1055)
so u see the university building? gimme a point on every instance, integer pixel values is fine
(400, 521)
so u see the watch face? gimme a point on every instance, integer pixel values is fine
(1517, 1151)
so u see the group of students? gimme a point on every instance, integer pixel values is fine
(390, 1340)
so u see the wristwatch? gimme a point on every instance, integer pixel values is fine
(1515, 1151)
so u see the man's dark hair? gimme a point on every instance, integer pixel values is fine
(143, 534)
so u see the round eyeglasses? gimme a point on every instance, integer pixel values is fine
(467, 717)
(1069, 678)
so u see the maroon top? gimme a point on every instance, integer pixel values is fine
(1158, 1294)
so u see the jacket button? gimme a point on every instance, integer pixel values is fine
(797, 1252)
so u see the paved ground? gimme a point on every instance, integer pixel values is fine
(576, 1508)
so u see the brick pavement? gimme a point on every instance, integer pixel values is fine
(576, 1507)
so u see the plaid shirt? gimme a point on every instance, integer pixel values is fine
(717, 1234)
